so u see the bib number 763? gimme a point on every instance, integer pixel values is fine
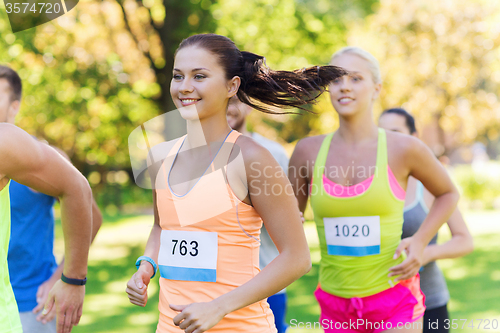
(183, 248)
(188, 255)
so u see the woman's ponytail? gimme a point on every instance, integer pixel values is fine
(279, 89)
(282, 89)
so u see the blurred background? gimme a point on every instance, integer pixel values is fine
(94, 74)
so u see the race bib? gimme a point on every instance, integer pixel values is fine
(357, 236)
(188, 255)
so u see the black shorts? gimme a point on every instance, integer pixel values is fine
(434, 320)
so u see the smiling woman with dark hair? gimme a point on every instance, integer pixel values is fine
(205, 238)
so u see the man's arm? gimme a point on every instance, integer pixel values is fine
(44, 289)
(40, 167)
(96, 212)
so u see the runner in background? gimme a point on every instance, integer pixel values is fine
(418, 199)
(212, 195)
(236, 118)
(40, 167)
(356, 178)
(32, 236)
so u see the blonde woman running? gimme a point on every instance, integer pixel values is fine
(356, 178)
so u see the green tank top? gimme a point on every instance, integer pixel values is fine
(9, 315)
(359, 234)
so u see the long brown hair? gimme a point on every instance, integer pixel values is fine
(16, 87)
(283, 89)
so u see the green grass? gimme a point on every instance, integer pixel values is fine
(111, 264)
(473, 281)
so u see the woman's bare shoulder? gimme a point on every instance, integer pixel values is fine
(307, 148)
(403, 144)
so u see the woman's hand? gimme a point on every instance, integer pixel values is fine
(137, 286)
(411, 265)
(197, 317)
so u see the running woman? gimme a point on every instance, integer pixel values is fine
(40, 167)
(356, 178)
(205, 238)
(418, 199)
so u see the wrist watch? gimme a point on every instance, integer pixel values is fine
(75, 282)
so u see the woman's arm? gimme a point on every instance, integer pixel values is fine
(300, 171)
(459, 245)
(137, 286)
(421, 164)
(281, 216)
(278, 209)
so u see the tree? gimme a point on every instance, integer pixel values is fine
(439, 60)
(290, 34)
(164, 24)
(85, 87)
(96, 73)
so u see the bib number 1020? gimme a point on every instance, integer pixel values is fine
(352, 230)
(355, 236)
(183, 248)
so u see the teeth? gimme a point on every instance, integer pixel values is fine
(345, 99)
(189, 100)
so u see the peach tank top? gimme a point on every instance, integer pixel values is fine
(209, 246)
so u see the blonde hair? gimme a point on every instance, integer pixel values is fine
(372, 61)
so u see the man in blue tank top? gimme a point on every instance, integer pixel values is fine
(32, 236)
(236, 118)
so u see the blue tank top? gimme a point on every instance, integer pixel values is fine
(31, 259)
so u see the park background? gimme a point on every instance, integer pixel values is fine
(94, 74)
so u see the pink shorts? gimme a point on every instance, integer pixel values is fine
(391, 308)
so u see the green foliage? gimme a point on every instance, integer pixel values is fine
(479, 184)
(93, 75)
(79, 92)
(290, 34)
(439, 60)
(116, 198)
